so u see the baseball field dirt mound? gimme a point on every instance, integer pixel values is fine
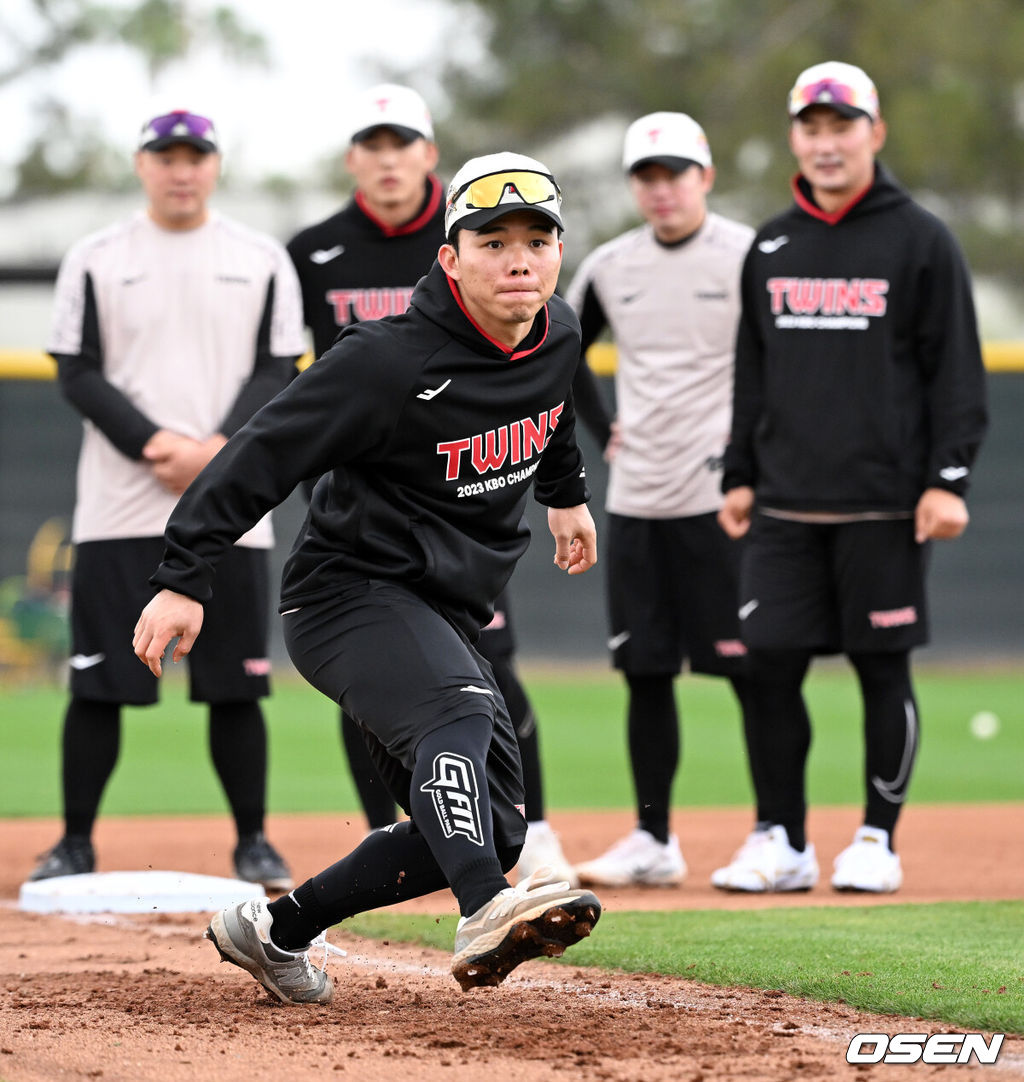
(141, 999)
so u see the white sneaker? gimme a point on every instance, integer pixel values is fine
(542, 849)
(767, 862)
(639, 859)
(868, 864)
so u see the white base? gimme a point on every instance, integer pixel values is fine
(134, 892)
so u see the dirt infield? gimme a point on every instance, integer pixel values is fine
(141, 999)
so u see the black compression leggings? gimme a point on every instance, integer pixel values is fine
(779, 735)
(91, 743)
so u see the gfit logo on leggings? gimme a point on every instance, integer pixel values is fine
(456, 796)
(911, 1047)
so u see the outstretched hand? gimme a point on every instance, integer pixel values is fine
(167, 616)
(575, 538)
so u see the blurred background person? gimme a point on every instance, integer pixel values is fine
(669, 292)
(859, 408)
(170, 330)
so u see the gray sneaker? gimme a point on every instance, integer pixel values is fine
(533, 919)
(241, 934)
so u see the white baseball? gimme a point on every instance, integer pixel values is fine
(984, 725)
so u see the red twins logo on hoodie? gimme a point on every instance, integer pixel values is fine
(512, 443)
(828, 297)
(363, 305)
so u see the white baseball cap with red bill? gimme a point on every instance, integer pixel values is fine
(388, 105)
(673, 140)
(842, 87)
(493, 185)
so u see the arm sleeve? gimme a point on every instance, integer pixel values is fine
(80, 373)
(590, 405)
(740, 464)
(953, 368)
(270, 373)
(280, 341)
(306, 430)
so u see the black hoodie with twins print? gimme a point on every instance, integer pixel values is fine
(427, 459)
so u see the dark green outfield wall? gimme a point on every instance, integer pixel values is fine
(977, 582)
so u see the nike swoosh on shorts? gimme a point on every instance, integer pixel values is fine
(85, 661)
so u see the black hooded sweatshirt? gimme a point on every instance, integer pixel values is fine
(429, 434)
(353, 267)
(859, 378)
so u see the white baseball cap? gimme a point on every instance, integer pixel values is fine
(843, 87)
(493, 185)
(388, 105)
(674, 140)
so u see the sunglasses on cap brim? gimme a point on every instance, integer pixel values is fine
(200, 127)
(487, 192)
(828, 92)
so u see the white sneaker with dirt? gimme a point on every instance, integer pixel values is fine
(638, 860)
(241, 934)
(868, 864)
(533, 919)
(543, 849)
(766, 862)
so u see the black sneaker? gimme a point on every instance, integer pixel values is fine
(72, 855)
(257, 861)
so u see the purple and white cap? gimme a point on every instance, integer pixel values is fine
(179, 126)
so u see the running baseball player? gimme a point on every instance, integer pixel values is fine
(428, 431)
(362, 263)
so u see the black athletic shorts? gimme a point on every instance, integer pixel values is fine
(497, 639)
(400, 670)
(672, 595)
(849, 587)
(109, 588)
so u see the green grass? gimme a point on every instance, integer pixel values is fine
(958, 963)
(164, 767)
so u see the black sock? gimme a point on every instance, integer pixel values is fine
(388, 866)
(238, 748)
(377, 802)
(90, 745)
(298, 918)
(653, 731)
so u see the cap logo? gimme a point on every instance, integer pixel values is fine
(654, 134)
(382, 103)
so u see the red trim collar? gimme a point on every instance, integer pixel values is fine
(414, 225)
(815, 211)
(494, 342)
